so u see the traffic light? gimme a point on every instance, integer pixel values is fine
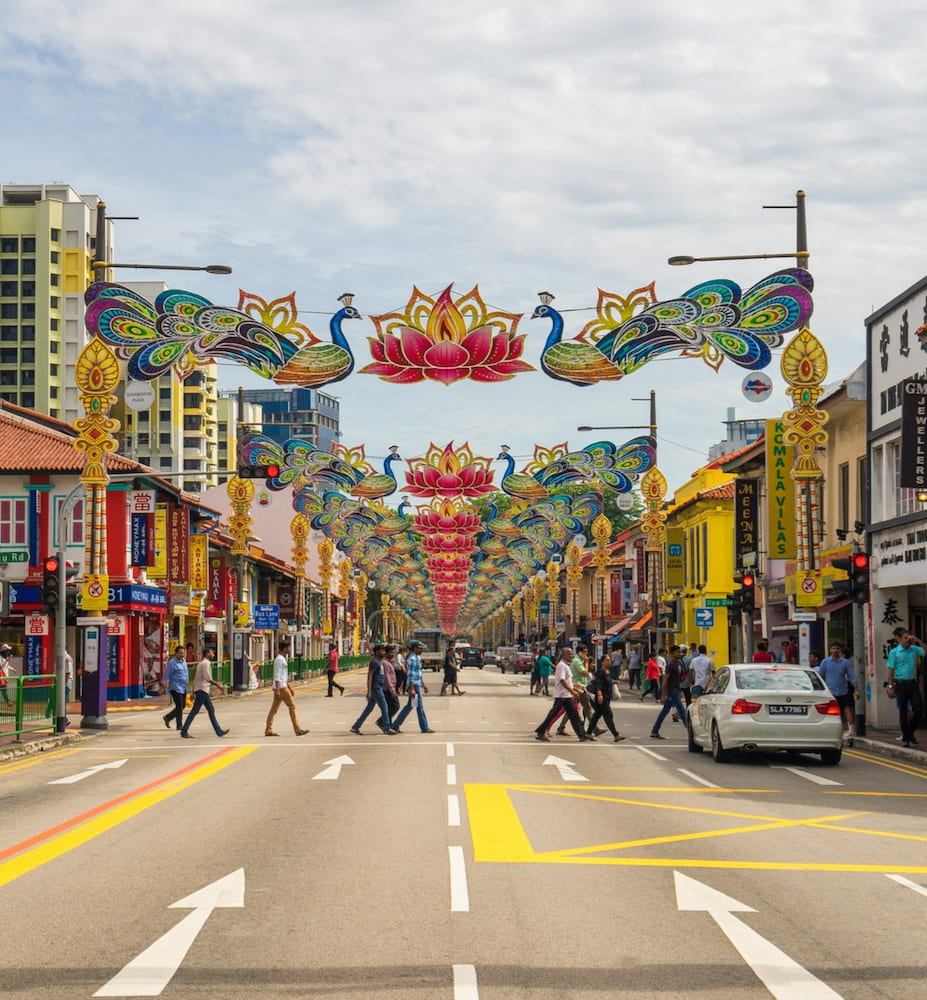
(856, 586)
(71, 593)
(671, 611)
(260, 471)
(746, 592)
(50, 584)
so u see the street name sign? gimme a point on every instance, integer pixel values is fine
(718, 602)
(14, 556)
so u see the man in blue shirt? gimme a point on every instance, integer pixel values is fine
(376, 694)
(176, 680)
(837, 673)
(902, 676)
(416, 688)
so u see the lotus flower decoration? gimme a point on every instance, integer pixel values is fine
(446, 341)
(449, 473)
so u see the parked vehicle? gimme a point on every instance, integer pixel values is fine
(505, 657)
(490, 658)
(766, 707)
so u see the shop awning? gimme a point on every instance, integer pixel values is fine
(618, 627)
(829, 609)
(641, 623)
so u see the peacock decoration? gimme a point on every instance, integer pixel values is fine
(181, 330)
(713, 320)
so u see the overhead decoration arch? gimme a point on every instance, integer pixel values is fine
(440, 558)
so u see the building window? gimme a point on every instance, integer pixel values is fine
(9, 266)
(28, 310)
(191, 442)
(28, 376)
(165, 463)
(55, 236)
(52, 279)
(28, 400)
(192, 423)
(192, 400)
(843, 496)
(164, 416)
(53, 324)
(53, 394)
(164, 393)
(53, 302)
(9, 244)
(74, 533)
(13, 512)
(52, 344)
(28, 289)
(862, 488)
(8, 378)
(9, 289)
(164, 439)
(9, 333)
(53, 370)
(192, 465)
(8, 356)
(27, 332)
(53, 257)
(9, 310)
(28, 265)
(905, 499)
(28, 356)
(29, 244)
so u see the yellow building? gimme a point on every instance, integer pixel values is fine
(699, 560)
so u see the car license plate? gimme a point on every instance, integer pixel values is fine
(787, 709)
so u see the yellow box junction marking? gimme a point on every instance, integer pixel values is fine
(499, 836)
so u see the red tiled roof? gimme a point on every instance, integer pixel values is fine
(33, 442)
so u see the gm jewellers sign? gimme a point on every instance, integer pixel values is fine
(914, 434)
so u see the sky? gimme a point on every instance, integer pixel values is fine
(373, 147)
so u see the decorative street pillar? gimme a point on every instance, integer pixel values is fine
(344, 589)
(516, 619)
(574, 574)
(240, 493)
(360, 612)
(553, 598)
(326, 550)
(653, 522)
(299, 531)
(97, 375)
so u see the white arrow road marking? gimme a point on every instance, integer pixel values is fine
(565, 767)
(333, 771)
(90, 771)
(908, 884)
(782, 976)
(148, 973)
(809, 775)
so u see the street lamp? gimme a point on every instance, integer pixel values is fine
(801, 257)
(210, 268)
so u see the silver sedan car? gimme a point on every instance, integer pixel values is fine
(766, 707)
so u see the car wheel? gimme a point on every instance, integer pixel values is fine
(693, 746)
(721, 755)
(831, 757)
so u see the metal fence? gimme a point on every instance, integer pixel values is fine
(27, 704)
(300, 669)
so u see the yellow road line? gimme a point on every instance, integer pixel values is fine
(913, 769)
(102, 820)
(37, 759)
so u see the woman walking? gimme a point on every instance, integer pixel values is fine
(600, 694)
(653, 678)
(332, 669)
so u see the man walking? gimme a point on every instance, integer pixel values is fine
(376, 694)
(634, 668)
(282, 692)
(671, 678)
(332, 669)
(564, 695)
(837, 673)
(176, 680)
(703, 668)
(202, 685)
(416, 688)
(902, 684)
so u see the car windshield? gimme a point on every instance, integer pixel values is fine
(778, 679)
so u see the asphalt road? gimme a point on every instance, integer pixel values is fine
(473, 864)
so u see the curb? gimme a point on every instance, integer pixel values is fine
(897, 751)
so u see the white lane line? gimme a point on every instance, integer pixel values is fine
(453, 810)
(651, 753)
(452, 774)
(698, 778)
(809, 775)
(450, 749)
(460, 898)
(465, 983)
(908, 884)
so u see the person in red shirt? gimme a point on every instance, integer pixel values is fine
(332, 669)
(762, 654)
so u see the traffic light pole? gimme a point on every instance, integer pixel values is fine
(862, 664)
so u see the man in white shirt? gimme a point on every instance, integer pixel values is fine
(704, 668)
(564, 693)
(283, 692)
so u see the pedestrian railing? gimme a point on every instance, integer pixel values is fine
(300, 669)
(27, 704)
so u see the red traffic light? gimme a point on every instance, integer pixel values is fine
(860, 560)
(50, 565)
(273, 471)
(748, 580)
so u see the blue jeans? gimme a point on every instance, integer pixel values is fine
(672, 701)
(377, 699)
(419, 708)
(201, 699)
